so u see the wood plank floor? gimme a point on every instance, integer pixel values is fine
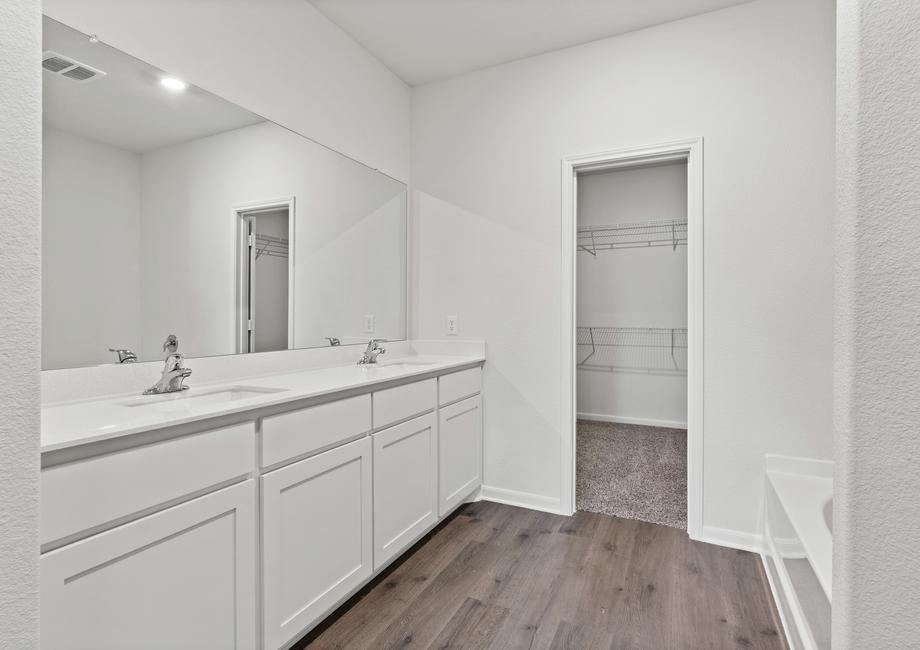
(496, 576)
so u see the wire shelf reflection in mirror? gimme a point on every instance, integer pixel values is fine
(271, 246)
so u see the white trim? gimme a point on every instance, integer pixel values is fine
(520, 499)
(731, 538)
(692, 151)
(784, 593)
(240, 211)
(622, 419)
(782, 605)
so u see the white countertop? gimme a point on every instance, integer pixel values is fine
(76, 423)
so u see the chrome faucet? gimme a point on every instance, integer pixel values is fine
(173, 372)
(372, 352)
(124, 355)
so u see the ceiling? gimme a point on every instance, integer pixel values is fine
(426, 40)
(127, 108)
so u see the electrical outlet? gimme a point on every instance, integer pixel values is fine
(369, 324)
(452, 326)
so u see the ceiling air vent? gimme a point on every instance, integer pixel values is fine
(66, 67)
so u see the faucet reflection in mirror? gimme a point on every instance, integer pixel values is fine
(173, 372)
(124, 355)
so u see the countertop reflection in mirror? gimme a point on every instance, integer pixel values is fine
(168, 209)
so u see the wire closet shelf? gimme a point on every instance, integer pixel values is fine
(269, 246)
(649, 234)
(649, 349)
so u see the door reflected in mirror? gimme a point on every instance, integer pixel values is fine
(168, 209)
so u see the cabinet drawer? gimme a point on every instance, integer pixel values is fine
(458, 385)
(403, 402)
(314, 429)
(89, 493)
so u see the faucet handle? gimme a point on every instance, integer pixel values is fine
(171, 344)
(124, 355)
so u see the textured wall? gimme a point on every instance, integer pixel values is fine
(877, 408)
(20, 279)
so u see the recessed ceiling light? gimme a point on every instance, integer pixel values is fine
(173, 84)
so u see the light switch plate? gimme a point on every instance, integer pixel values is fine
(452, 326)
(369, 324)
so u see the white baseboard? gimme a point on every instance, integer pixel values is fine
(521, 499)
(621, 419)
(711, 534)
(732, 539)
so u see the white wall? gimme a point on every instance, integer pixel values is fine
(349, 242)
(91, 210)
(281, 59)
(757, 81)
(20, 318)
(634, 287)
(877, 410)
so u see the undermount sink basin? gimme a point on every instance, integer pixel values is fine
(214, 396)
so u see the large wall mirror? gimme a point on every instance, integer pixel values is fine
(168, 210)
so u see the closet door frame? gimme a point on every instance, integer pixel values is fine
(691, 151)
(242, 213)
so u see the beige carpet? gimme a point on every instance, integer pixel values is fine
(632, 471)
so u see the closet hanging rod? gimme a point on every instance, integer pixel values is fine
(648, 234)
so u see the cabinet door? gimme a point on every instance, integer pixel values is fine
(405, 485)
(460, 441)
(180, 578)
(316, 537)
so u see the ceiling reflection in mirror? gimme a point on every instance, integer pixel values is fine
(168, 210)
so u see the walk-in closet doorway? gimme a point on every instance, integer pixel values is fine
(661, 352)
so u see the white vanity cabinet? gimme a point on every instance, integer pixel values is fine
(181, 578)
(405, 485)
(248, 531)
(316, 537)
